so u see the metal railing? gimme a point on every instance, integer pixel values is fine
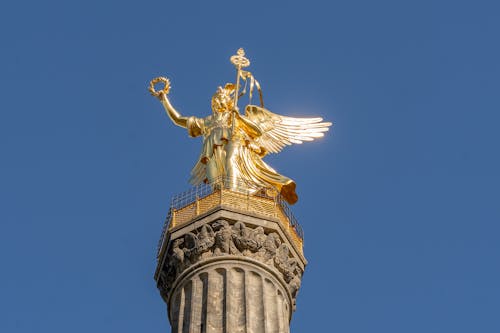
(236, 194)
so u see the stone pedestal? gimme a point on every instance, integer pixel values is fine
(230, 270)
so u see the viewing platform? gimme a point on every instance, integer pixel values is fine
(205, 199)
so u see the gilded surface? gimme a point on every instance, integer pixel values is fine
(234, 144)
(254, 204)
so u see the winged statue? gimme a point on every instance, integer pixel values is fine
(235, 144)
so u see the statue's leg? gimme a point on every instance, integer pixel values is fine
(232, 149)
(211, 170)
(215, 166)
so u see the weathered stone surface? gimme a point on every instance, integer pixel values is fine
(229, 296)
(230, 273)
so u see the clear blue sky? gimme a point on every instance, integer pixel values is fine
(400, 203)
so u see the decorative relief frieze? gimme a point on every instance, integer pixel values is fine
(223, 238)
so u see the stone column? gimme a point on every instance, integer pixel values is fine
(229, 272)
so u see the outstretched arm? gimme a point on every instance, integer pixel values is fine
(176, 117)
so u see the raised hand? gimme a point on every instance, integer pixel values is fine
(160, 94)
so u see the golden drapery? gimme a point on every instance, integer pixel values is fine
(229, 152)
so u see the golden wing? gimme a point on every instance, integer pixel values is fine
(280, 131)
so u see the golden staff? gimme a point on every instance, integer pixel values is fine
(239, 61)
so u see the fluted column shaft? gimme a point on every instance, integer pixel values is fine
(230, 296)
(230, 273)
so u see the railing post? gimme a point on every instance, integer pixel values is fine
(276, 206)
(197, 204)
(220, 185)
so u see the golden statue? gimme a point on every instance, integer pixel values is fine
(234, 144)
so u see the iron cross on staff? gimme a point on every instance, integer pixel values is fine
(239, 61)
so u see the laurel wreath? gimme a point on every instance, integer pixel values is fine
(166, 87)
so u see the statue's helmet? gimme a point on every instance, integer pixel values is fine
(223, 99)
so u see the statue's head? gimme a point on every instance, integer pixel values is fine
(223, 99)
